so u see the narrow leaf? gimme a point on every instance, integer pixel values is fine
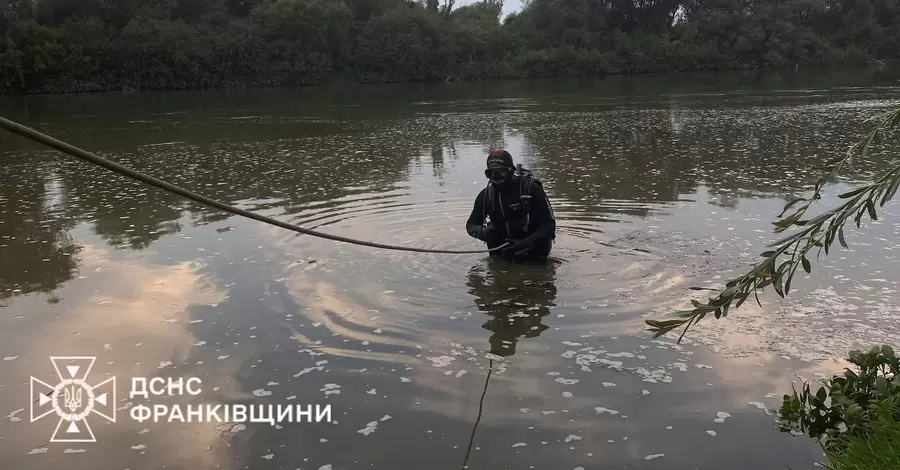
(854, 192)
(841, 237)
(791, 204)
(806, 265)
(871, 207)
(777, 284)
(892, 189)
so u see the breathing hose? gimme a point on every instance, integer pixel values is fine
(32, 134)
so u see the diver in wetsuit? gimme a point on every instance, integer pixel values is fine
(513, 208)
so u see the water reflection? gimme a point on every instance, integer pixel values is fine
(517, 295)
(676, 189)
(37, 253)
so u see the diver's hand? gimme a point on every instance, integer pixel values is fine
(516, 247)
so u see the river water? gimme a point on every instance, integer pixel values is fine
(658, 183)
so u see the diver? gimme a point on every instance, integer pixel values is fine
(513, 208)
(515, 300)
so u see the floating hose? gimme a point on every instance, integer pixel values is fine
(32, 134)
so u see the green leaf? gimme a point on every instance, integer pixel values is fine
(777, 284)
(854, 192)
(664, 323)
(806, 265)
(741, 298)
(841, 236)
(881, 384)
(791, 204)
(787, 284)
(888, 352)
(892, 189)
(871, 207)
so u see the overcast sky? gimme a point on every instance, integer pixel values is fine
(509, 6)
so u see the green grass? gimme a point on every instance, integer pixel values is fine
(876, 449)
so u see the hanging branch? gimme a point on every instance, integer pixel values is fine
(819, 232)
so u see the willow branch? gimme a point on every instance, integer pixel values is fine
(790, 253)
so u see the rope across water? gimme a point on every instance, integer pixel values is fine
(32, 134)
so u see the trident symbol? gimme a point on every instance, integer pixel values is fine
(73, 398)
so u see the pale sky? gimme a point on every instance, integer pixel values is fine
(509, 6)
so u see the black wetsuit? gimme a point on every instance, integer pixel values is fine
(508, 218)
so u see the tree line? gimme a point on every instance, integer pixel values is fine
(98, 45)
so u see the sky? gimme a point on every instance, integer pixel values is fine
(509, 6)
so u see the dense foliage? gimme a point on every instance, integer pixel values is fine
(849, 403)
(854, 415)
(85, 45)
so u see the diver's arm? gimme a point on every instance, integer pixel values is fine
(542, 218)
(476, 218)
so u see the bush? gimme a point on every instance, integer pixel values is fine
(849, 406)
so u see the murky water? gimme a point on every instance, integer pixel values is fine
(433, 361)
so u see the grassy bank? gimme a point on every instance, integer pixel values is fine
(876, 448)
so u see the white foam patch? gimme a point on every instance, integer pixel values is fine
(519, 444)
(308, 370)
(39, 450)
(601, 410)
(10, 358)
(572, 437)
(566, 381)
(12, 416)
(74, 451)
(441, 361)
(654, 456)
(761, 407)
(712, 433)
(621, 354)
(269, 456)
(261, 392)
(372, 392)
(331, 389)
(721, 417)
(369, 429)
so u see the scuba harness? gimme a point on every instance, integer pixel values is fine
(526, 181)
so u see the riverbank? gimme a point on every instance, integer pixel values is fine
(148, 46)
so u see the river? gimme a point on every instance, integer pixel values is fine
(659, 183)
